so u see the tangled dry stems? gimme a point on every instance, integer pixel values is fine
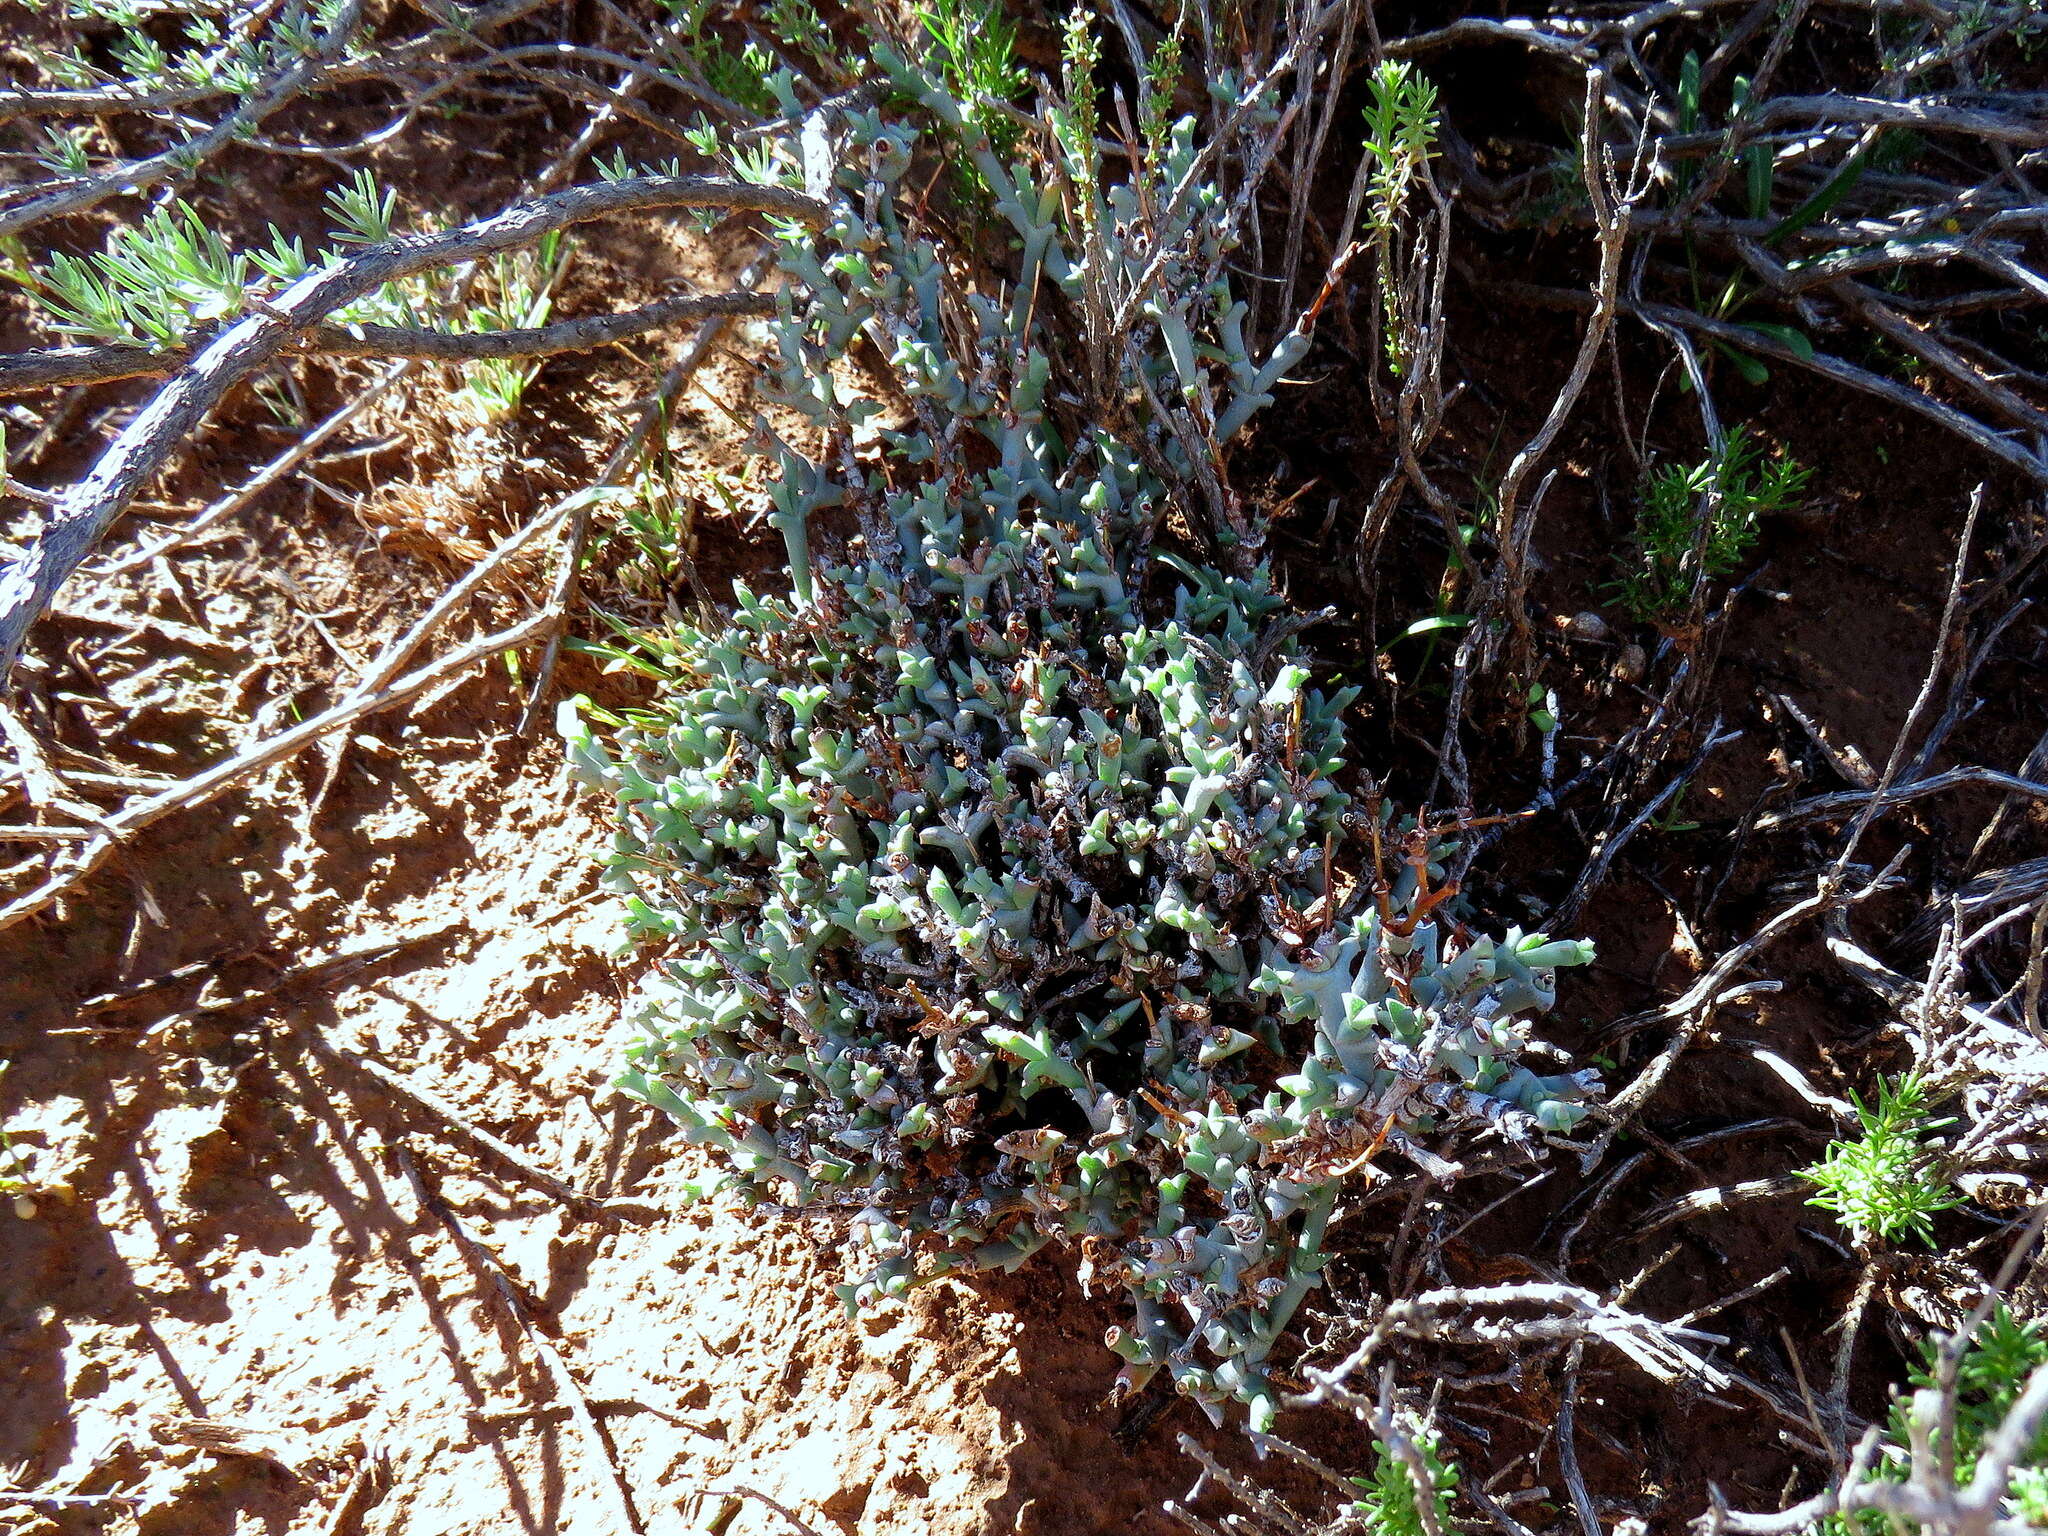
(1822, 235)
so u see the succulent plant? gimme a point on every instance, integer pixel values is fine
(1000, 861)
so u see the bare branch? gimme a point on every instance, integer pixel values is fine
(1846, 802)
(27, 371)
(1610, 211)
(2001, 446)
(149, 440)
(215, 781)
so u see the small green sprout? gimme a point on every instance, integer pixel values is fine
(1162, 77)
(154, 281)
(362, 212)
(64, 151)
(520, 296)
(975, 51)
(1885, 1184)
(740, 75)
(1392, 1504)
(796, 24)
(1740, 486)
(1400, 136)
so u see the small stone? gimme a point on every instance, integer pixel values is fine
(1631, 664)
(1586, 626)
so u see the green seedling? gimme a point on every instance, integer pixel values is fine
(974, 48)
(1698, 522)
(1392, 1503)
(518, 294)
(1400, 136)
(1886, 1183)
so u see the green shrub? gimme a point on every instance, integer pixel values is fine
(1990, 1376)
(997, 890)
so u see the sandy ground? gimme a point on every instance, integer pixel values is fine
(263, 1289)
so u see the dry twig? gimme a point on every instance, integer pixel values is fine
(209, 785)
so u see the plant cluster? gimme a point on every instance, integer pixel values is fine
(737, 75)
(1010, 886)
(1886, 1183)
(1392, 1504)
(1698, 522)
(1006, 900)
(1938, 1433)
